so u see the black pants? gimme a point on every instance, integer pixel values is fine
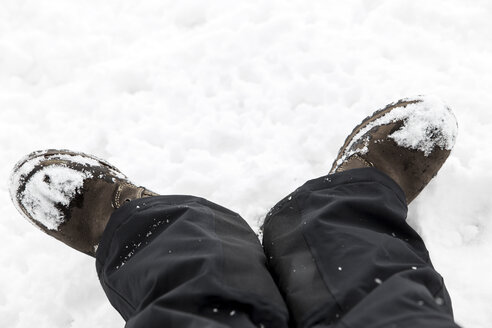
(337, 252)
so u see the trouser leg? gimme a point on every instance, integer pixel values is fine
(181, 261)
(343, 256)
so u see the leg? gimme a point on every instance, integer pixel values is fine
(185, 262)
(343, 255)
(339, 247)
(173, 261)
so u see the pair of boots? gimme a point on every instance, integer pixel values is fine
(71, 196)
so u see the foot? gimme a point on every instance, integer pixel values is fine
(408, 140)
(70, 195)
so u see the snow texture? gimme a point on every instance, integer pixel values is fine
(239, 102)
(48, 187)
(427, 124)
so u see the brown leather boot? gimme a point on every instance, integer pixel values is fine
(70, 195)
(408, 140)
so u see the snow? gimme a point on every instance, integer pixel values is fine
(51, 185)
(427, 124)
(238, 102)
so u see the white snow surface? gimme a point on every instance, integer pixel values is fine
(239, 102)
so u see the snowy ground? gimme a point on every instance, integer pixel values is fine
(239, 102)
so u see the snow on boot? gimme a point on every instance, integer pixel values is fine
(70, 195)
(408, 140)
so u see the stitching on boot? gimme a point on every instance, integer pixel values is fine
(119, 190)
(364, 161)
(117, 197)
(118, 193)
